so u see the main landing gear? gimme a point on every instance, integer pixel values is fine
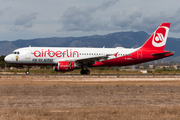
(27, 72)
(85, 72)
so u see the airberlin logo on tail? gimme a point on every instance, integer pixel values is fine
(160, 36)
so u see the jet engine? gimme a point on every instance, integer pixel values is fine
(64, 66)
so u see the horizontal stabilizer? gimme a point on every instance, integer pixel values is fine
(163, 53)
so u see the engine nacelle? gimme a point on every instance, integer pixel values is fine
(64, 66)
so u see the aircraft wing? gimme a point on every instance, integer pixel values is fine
(91, 60)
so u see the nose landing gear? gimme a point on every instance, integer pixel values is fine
(27, 72)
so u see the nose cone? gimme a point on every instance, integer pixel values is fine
(8, 59)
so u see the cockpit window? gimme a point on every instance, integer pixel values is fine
(15, 53)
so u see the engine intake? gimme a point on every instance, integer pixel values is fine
(64, 66)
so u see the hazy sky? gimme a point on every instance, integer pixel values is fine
(28, 19)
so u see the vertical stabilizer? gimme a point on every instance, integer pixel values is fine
(158, 38)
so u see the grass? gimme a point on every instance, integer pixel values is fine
(76, 71)
(98, 70)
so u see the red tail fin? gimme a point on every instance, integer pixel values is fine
(158, 38)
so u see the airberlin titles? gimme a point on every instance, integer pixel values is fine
(52, 53)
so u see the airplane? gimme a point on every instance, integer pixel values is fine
(68, 58)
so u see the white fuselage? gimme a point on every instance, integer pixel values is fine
(52, 55)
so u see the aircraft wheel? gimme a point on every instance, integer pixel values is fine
(27, 72)
(87, 72)
(82, 72)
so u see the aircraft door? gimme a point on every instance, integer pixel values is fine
(139, 55)
(28, 54)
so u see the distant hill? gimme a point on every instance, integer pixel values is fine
(120, 39)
